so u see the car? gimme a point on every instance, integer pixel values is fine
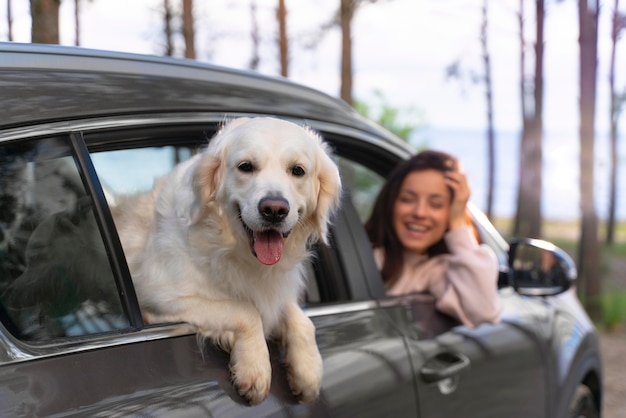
(81, 127)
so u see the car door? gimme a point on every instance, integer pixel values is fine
(490, 371)
(367, 370)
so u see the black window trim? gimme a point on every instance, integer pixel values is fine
(110, 237)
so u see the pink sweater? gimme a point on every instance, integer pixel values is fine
(463, 282)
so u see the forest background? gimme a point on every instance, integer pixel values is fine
(528, 93)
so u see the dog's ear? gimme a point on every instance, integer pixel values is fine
(206, 177)
(329, 194)
(207, 174)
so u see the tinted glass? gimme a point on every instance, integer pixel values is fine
(55, 276)
(362, 183)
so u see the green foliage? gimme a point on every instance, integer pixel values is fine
(613, 307)
(402, 122)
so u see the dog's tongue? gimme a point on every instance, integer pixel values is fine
(268, 246)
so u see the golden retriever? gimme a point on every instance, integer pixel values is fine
(220, 243)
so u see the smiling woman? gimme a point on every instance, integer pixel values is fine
(423, 243)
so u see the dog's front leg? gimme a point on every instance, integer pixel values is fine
(235, 327)
(302, 357)
(249, 359)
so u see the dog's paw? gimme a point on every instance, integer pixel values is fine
(304, 373)
(252, 380)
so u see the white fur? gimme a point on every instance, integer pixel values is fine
(190, 256)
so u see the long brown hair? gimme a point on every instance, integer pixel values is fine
(379, 226)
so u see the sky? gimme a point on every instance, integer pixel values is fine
(400, 47)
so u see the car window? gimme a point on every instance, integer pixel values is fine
(55, 276)
(133, 170)
(363, 185)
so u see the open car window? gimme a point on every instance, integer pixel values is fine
(56, 279)
(132, 170)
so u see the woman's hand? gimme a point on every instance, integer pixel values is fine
(457, 181)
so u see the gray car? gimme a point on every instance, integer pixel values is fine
(78, 128)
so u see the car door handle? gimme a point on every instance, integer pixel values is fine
(443, 366)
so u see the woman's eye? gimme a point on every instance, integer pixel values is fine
(297, 171)
(245, 167)
(437, 204)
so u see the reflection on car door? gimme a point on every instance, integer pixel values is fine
(367, 372)
(506, 365)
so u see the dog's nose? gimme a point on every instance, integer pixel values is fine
(273, 209)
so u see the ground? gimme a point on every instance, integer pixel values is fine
(613, 347)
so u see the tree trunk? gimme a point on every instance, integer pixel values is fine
(256, 38)
(525, 122)
(528, 216)
(346, 13)
(45, 21)
(281, 14)
(189, 32)
(614, 116)
(168, 16)
(491, 159)
(588, 252)
(9, 21)
(77, 22)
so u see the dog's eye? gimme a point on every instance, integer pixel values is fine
(245, 167)
(297, 171)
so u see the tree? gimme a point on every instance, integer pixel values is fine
(588, 250)
(77, 22)
(528, 215)
(168, 16)
(343, 18)
(283, 41)
(491, 153)
(45, 21)
(616, 102)
(346, 13)
(9, 21)
(256, 37)
(189, 32)
(455, 71)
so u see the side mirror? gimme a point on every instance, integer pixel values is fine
(539, 268)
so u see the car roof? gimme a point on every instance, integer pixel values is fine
(50, 83)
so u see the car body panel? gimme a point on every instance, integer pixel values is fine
(361, 351)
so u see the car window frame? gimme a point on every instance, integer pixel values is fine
(108, 231)
(12, 347)
(15, 348)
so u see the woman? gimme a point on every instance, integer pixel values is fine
(423, 242)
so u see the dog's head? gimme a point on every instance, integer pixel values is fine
(274, 179)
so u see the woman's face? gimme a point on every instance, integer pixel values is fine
(421, 210)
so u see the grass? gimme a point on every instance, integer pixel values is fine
(613, 307)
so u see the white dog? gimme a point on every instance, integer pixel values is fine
(220, 241)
